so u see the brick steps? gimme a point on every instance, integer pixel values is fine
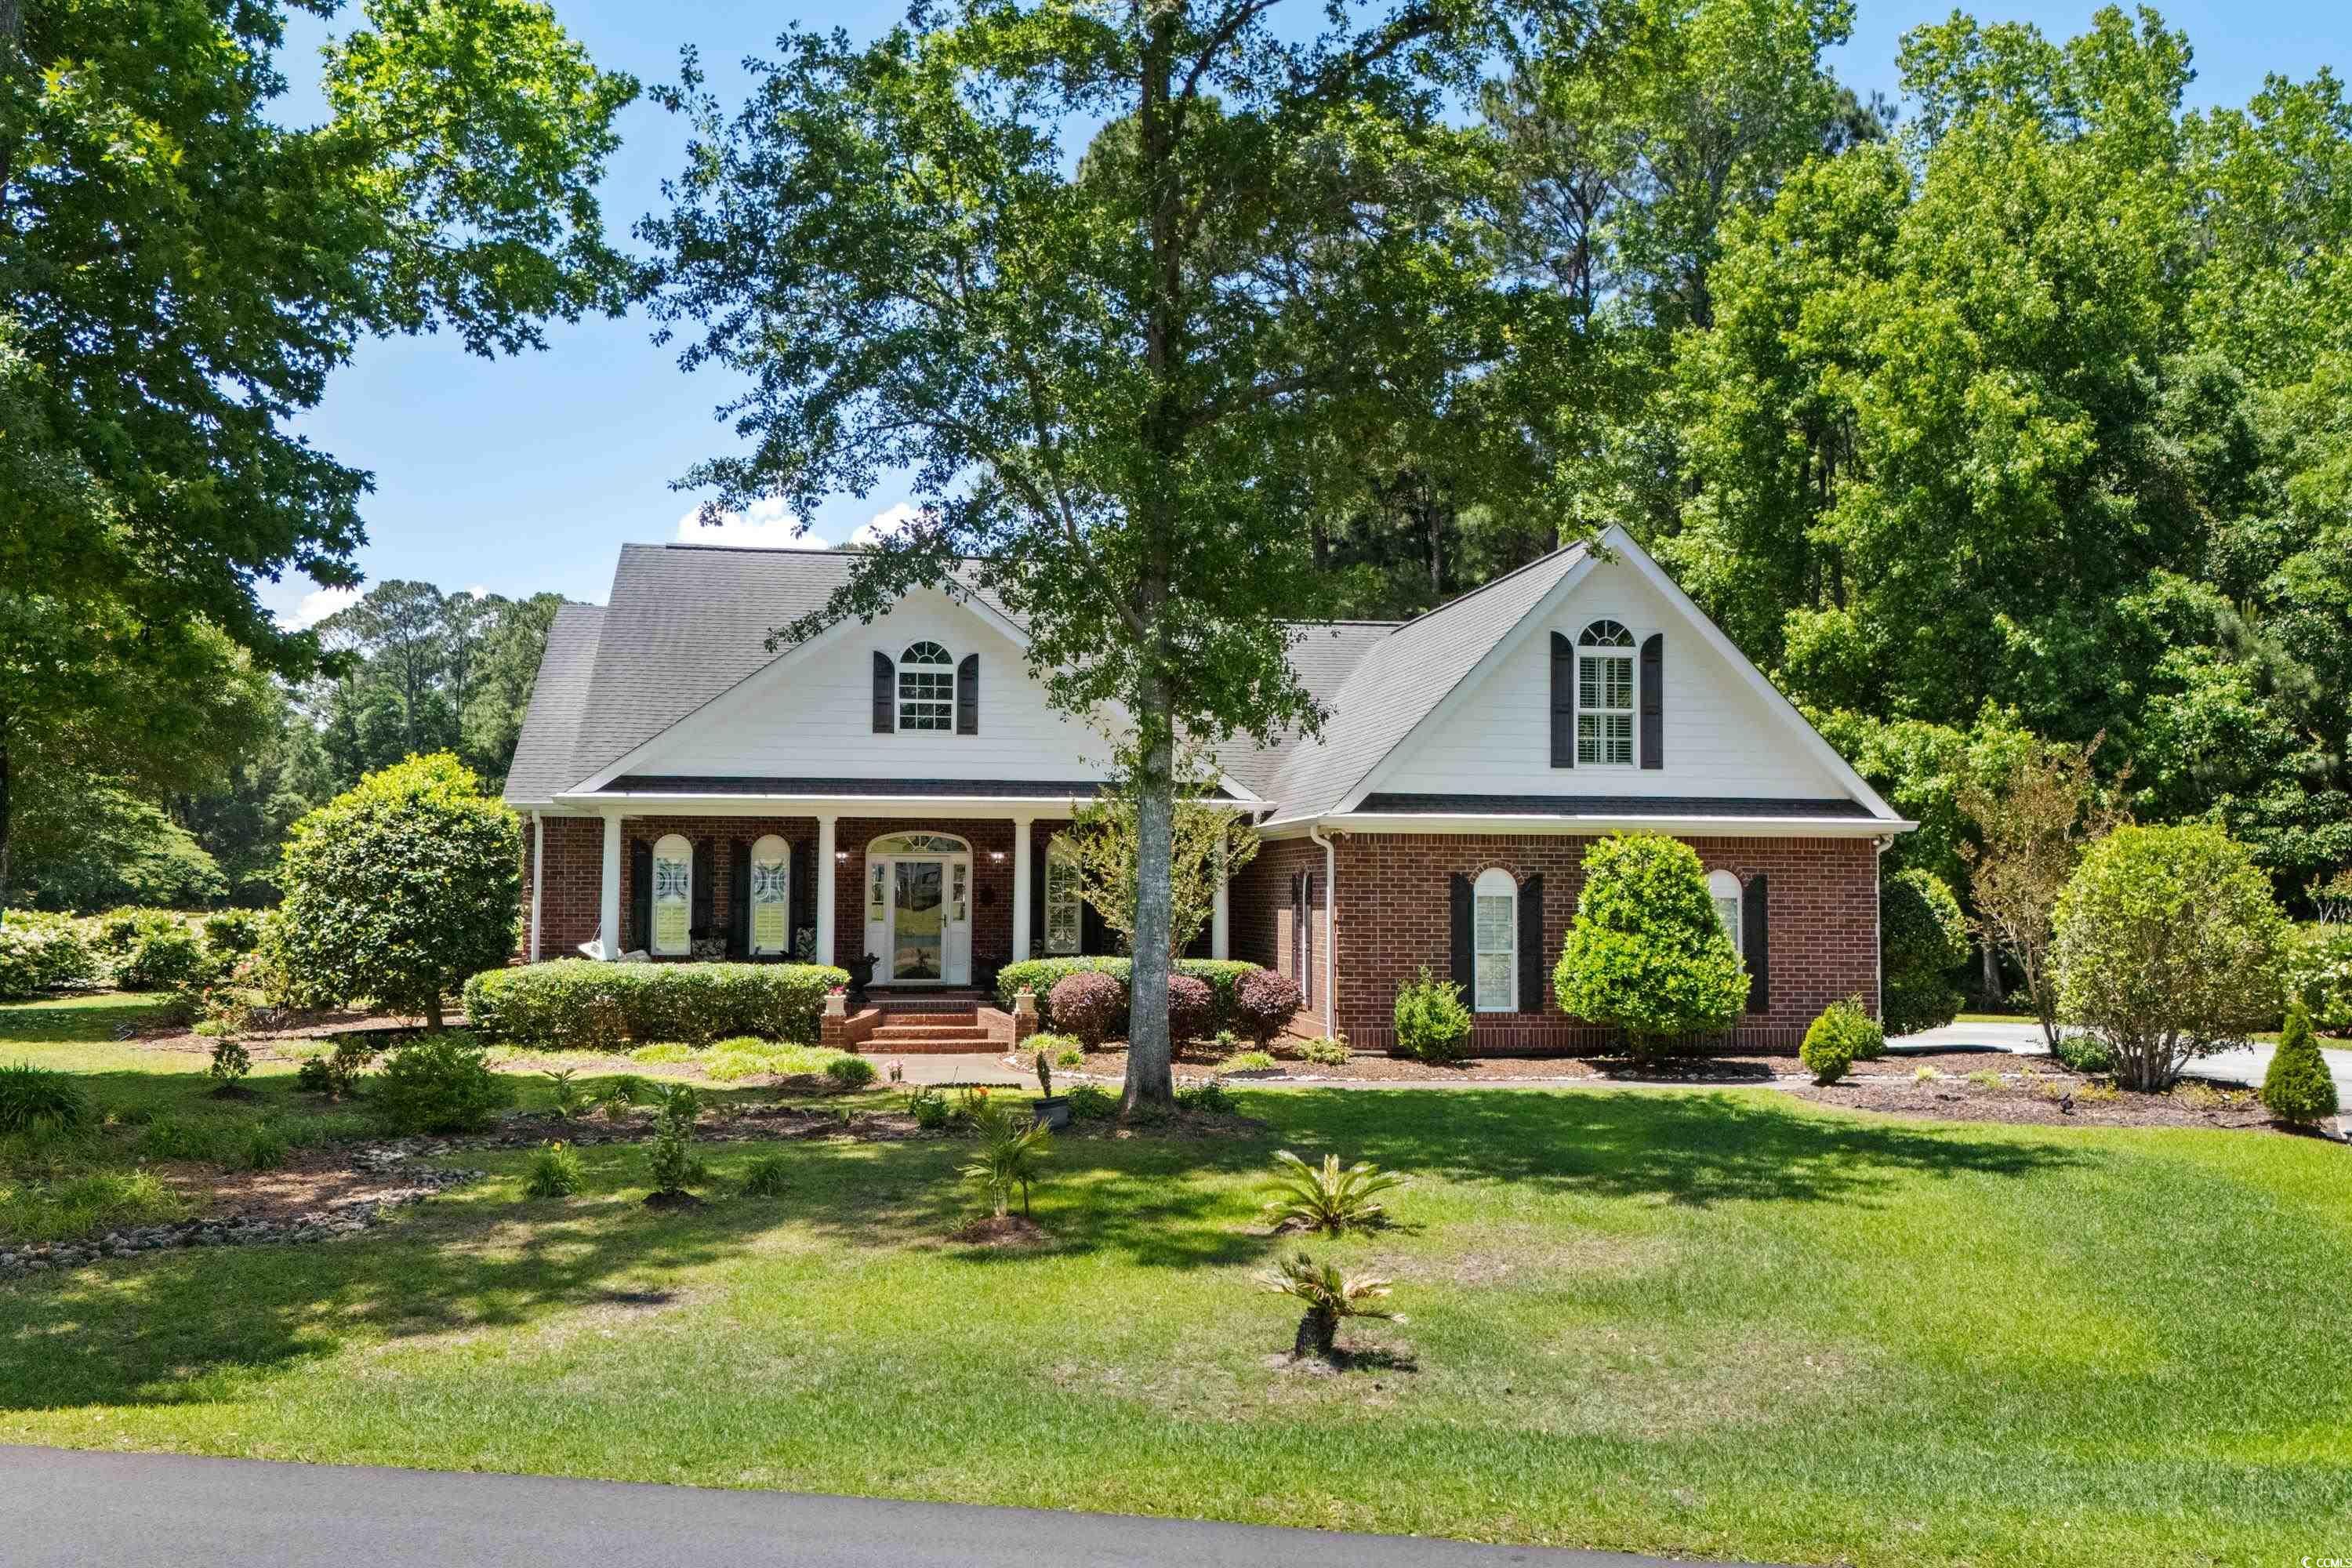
(893, 1033)
(930, 1026)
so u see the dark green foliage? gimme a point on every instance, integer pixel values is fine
(850, 1072)
(398, 889)
(1223, 975)
(1432, 1023)
(39, 953)
(2298, 1087)
(1208, 1099)
(336, 1074)
(155, 949)
(233, 933)
(555, 1172)
(38, 1100)
(1922, 937)
(2084, 1054)
(671, 1158)
(1091, 1102)
(582, 1005)
(769, 1176)
(264, 1150)
(929, 1108)
(1647, 954)
(440, 1083)
(1844, 1034)
(231, 1061)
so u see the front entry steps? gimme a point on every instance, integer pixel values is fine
(927, 1024)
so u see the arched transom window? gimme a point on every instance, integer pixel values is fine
(673, 897)
(927, 688)
(1496, 924)
(1604, 696)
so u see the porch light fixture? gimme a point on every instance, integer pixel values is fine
(996, 857)
(841, 857)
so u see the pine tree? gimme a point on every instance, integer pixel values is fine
(2298, 1087)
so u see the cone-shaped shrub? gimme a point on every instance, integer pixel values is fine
(2298, 1087)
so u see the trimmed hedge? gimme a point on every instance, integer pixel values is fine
(585, 1004)
(1039, 975)
(39, 953)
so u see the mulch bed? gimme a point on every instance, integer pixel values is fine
(999, 1230)
(311, 1180)
(2032, 1099)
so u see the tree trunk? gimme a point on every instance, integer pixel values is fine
(1990, 967)
(7, 814)
(1151, 1077)
(432, 1014)
(1317, 1332)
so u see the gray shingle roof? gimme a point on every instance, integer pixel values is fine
(542, 757)
(1400, 678)
(1323, 653)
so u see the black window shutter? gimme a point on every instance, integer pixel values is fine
(1531, 945)
(885, 693)
(1563, 701)
(641, 897)
(1299, 929)
(1464, 957)
(1654, 701)
(968, 695)
(1756, 939)
(706, 885)
(1038, 855)
(739, 899)
(800, 891)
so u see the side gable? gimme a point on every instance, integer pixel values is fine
(1727, 734)
(551, 727)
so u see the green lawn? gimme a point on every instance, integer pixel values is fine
(1721, 1323)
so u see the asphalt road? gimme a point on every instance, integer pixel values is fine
(60, 1509)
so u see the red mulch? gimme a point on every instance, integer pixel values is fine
(999, 1230)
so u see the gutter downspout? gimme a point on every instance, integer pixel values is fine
(1331, 927)
(538, 873)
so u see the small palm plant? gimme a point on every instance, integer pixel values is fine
(616, 1096)
(568, 1099)
(1328, 1198)
(1008, 1150)
(1330, 1295)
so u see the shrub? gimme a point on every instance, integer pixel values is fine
(1844, 1035)
(231, 1061)
(2082, 1054)
(1009, 1147)
(1329, 1294)
(1432, 1025)
(39, 953)
(441, 1083)
(583, 1005)
(1062, 1051)
(1922, 937)
(1091, 1102)
(2319, 965)
(1647, 954)
(1206, 1099)
(1191, 1007)
(1327, 1197)
(928, 1107)
(1248, 1061)
(2298, 1087)
(40, 1101)
(264, 1150)
(1223, 976)
(160, 950)
(677, 1108)
(1265, 1002)
(398, 889)
(1324, 1051)
(1089, 1006)
(566, 1098)
(2167, 948)
(233, 933)
(615, 1096)
(336, 1073)
(555, 1172)
(850, 1072)
(769, 1176)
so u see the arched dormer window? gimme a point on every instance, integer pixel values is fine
(1724, 888)
(927, 682)
(1604, 696)
(1496, 925)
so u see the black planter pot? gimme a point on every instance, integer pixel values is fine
(1053, 1112)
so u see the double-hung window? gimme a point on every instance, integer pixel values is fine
(1496, 922)
(1604, 696)
(1064, 913)
(1724, 888)
(927, 680)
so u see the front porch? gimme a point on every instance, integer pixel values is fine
(940, 893)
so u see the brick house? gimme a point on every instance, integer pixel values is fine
(895, 788)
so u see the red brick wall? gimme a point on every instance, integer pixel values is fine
(575, 868)
(1260, 922)
(992, 884)
(1394, 915)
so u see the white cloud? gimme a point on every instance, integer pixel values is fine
(474, 591)
(316, 606)
(768, 525)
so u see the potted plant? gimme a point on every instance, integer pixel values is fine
(861, 976)
(1053, 1110)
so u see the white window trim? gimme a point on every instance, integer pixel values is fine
(768, 847)
(1057, 848)
(932, 668)
(1496, 883)
(664, 854)
(1631, 653)
(1723, 885)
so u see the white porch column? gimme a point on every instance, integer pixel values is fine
(608, 903)
(1021, 875)
(824, 895)
(538, 875)
(1220, 922)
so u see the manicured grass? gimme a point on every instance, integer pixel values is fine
(1714, 1323)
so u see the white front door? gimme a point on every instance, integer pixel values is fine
(919, 913)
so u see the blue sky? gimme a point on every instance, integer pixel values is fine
(526, 474)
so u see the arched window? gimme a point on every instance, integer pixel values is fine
(1724, 888)
(927, 688)
(673, 899)
(1064, 904)
(1495, 898)
(1604, 696)
(770, 896)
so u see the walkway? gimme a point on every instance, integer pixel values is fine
(60, 1509)
(2242, 1066)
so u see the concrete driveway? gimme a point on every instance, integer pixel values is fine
(61, 1509)
(2242, 1067)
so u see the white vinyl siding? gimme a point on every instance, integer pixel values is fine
(1495, 924)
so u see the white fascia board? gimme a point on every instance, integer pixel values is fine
(1587, 826)
(651, 801)
(1463, 689)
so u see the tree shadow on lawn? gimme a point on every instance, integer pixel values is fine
(94, 1020)
(1693, 1149)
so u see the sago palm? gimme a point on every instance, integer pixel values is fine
(1009, 1149)
(1328, 1198)
(1330, 1295)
